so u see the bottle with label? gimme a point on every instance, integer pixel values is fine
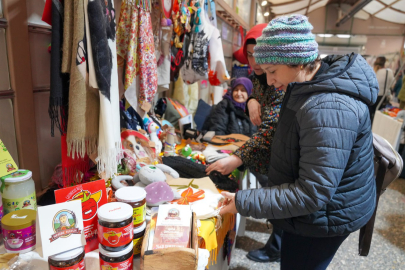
(18, 191)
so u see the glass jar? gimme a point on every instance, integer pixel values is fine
(18, 192)
(115, 224)
(139, 233)
(116, 260)
(19, 231)
(136, 198)
(72, 259)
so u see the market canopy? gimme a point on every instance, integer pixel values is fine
(387, 10)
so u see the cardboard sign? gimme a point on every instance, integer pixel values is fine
(59, 228)
(92, 195)
(7, 164)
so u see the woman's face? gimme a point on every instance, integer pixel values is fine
(281, 75)
(252, 62)
(240, 94)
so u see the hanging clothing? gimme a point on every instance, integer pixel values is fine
(102, 31)
(59, 90)
(136, 51)
(83, 126)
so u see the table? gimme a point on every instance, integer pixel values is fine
(388, 128)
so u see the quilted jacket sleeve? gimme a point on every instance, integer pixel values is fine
(327, 132)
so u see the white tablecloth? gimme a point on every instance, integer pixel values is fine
(388, 128)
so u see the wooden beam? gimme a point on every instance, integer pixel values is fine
(18, 52)
(309, 4)
(233, 13)
(388, 6)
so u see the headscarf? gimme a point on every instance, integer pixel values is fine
(239, 81)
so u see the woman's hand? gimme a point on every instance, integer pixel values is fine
(225, 166)
(255, 112)
(230, 206)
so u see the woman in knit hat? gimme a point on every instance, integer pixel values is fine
(321, 162)
(263, 108)
(228, 116)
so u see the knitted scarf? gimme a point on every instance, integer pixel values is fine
(102, 31)
(59, 93)
(83, 121)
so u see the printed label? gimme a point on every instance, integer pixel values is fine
(139, 215)
(16, 240)
(1, 212)
(28, 202)
(125, 265)
(115, 237)
(78, 266)
(138, 245)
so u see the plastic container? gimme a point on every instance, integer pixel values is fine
(18, 230)
(136, 198)
(19, 192)
(72, 259)
(115, 224)
(139, 233)
(116, 260)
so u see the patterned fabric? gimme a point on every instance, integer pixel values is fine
(136, 49)
(286, 40)
(255, 153)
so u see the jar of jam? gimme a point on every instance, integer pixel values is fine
(116, 260)
(135, 197)
(115, 227)
(139, 232)
(72, 259)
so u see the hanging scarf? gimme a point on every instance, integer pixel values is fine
(102, 33)
(83, 121)
(136, 52)
(59, 91)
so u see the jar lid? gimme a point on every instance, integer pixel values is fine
(67, 255)
(18, 176)
(128, 249)
(130, 194)
(140, 228)
(19, 219)
(115, 212)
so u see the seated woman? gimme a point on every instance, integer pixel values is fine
(228, 116)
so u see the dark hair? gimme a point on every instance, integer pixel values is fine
(309, 66)
(251, 41)
(380, 61)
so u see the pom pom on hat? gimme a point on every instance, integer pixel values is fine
(287, 40)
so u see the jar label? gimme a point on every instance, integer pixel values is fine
(138, 245)
(16, 240)
(125, 265)
(28, 202)
(115, 237)
(139, 215)
(78, 266)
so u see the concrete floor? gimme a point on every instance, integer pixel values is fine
(387, 249)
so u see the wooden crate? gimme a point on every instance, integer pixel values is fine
(171, 258)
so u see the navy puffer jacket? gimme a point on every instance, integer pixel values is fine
(321, 165)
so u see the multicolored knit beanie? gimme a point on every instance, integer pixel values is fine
(286, 40)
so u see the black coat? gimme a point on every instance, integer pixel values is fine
(227, 119)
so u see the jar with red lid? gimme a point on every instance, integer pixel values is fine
(72, 259)
(115, 224)
(122, 259)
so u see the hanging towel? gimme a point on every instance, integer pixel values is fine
(136, 52)
(101, 16)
